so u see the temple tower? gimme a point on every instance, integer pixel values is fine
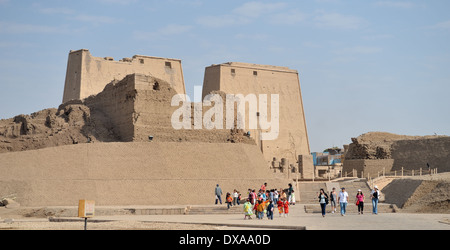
(88, 75)
(244, 78)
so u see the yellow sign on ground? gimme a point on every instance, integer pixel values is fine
(86, 209)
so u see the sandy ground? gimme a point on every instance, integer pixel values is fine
(297, 219)
(113, 225)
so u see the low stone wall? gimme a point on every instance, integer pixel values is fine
(371, 167)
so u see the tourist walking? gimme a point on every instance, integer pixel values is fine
(280, 206)
(250, 196)
(260, 209)
(218, 193)
(271, 195)
(286, 208)
(270, 210)
(333, 199)
(283, 194)
(375, 196)
(323, 201)
(262, 195)
(360, 201)
(343, 201)
(229, 200)
(253, 197)
(248, 209)
(263, 187)
(293, 197)
(275, 196)
(235, 197)
(289, 193)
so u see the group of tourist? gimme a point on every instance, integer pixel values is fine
(263, 202)
(343, 198)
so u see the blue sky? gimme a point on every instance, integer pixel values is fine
(364, 65)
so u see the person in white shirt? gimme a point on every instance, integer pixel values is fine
(235, 197)
(275, 196)
(343, 201)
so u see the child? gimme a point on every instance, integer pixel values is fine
(248, 207)
(270, 211)
(280, 206)
(229, 200)
(260, 209)
(286, 208)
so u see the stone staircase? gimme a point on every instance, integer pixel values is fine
(214, 209)
(352, 208)
(309, 192)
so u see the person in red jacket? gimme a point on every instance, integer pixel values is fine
(280, 206)
(286, 208)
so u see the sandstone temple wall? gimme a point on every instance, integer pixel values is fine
(244, 78)
(87, 75)
(133, 173)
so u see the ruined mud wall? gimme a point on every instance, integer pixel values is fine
(71, 123)
(392, 152)
(139, 106)
(132, 109)
(415, 154)
(117, 102)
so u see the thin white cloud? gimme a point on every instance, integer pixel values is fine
(184, 2)
(72, 14)
(377, 37)
(256, 37)
(280, 13)
(327, 1)
(337, 21)
(290, 17)
(441, 25)
(221, 21)
(243, 14)
(352, 54)
(120, 2)
(257, 9)
(162, 33)
(395, 4)
(17, 45)
(19, 28)
(174, 29)
(358, 50)
(97, 20)
(55, 10)
(313, 45)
